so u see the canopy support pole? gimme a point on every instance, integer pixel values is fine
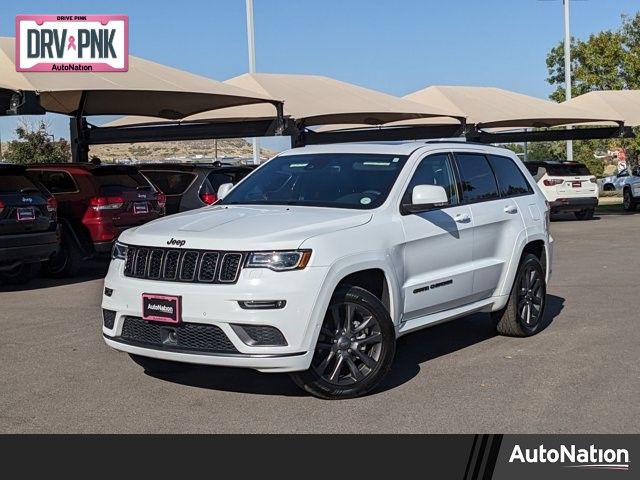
(79, 133)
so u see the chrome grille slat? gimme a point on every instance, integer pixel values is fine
(194, 266)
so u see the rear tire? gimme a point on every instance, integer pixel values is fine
(355, 348)
(628, 203)
(66, 262)
(608, 187)
(20, 275)
(523, 315)
(156, 365)
(585, 214)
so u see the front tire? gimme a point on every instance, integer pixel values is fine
(628, 203)
(522, 317)
(355, 348)
(156, 365)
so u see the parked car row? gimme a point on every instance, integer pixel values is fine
(55, 216)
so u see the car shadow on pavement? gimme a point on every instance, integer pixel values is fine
(92, 269)
(413, 350)
(238, 380)
(449, 337)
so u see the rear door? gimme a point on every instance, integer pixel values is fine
(138, 197)
(496, 212)
(23, 205)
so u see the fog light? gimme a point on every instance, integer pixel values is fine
(261, 304)
(108, 291)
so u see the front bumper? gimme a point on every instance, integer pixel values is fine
(573, 204)
(217, 304)
(31, 247)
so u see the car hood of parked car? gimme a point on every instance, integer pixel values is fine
(244, 227)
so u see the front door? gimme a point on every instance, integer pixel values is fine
(438, 270)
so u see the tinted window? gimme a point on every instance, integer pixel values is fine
(13, 182)
(511, 181)
(567, 170)
(478, 181)
(339, 180)
(56, 182)
(433, 170)
(217, 179)
(168, 182)
(114, 181)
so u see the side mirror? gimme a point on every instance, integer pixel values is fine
(224, 189)
(426, 197)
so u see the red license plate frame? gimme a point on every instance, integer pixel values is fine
(162, 308)
(140, 208)
(25, 214)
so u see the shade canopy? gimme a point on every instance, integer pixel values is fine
(622, 103)
(494, 107)
(148, 89)
(319, 100)
(316, 100)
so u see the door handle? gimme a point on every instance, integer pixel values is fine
(511, 209)
(462, 218)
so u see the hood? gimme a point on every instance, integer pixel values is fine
(244, 228)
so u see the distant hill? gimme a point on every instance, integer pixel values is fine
(178, 150)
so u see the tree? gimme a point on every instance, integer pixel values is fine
(36, 145)
(608, 60)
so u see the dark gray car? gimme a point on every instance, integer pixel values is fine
(191, 186)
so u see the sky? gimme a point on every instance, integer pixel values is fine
(395, 46)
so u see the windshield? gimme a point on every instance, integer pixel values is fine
(338, 180)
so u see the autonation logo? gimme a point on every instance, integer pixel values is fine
(573, 457)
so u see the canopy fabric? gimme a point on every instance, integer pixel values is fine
(494, 107)
(316, 100)
(622, 103)
(319, 100)
(148, 89)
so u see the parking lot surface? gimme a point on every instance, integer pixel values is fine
(579, 375)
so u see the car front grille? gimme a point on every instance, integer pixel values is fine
(201, 266)
(196, 337)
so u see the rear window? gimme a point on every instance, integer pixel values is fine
(56, 181)
(114, 181)
(567, 170)
(478, 181)
(168, 182)
(510, 178)
(14, 182)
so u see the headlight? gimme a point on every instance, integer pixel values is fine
(119, 251)
(279, 261)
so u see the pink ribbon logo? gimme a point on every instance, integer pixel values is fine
(72, 43)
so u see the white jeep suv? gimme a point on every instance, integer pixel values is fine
(322, 257)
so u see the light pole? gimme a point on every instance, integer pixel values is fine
(252, 67)
(567, 69)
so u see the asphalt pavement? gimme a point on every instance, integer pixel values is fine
(580, 375)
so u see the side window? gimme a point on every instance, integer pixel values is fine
(434, 170)
(511, 181)
(478, 181)
(57, 181)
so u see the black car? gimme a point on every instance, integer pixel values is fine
(188, 186)
(28, 225)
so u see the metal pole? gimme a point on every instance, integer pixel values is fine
(567, 69)
(252, 67)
